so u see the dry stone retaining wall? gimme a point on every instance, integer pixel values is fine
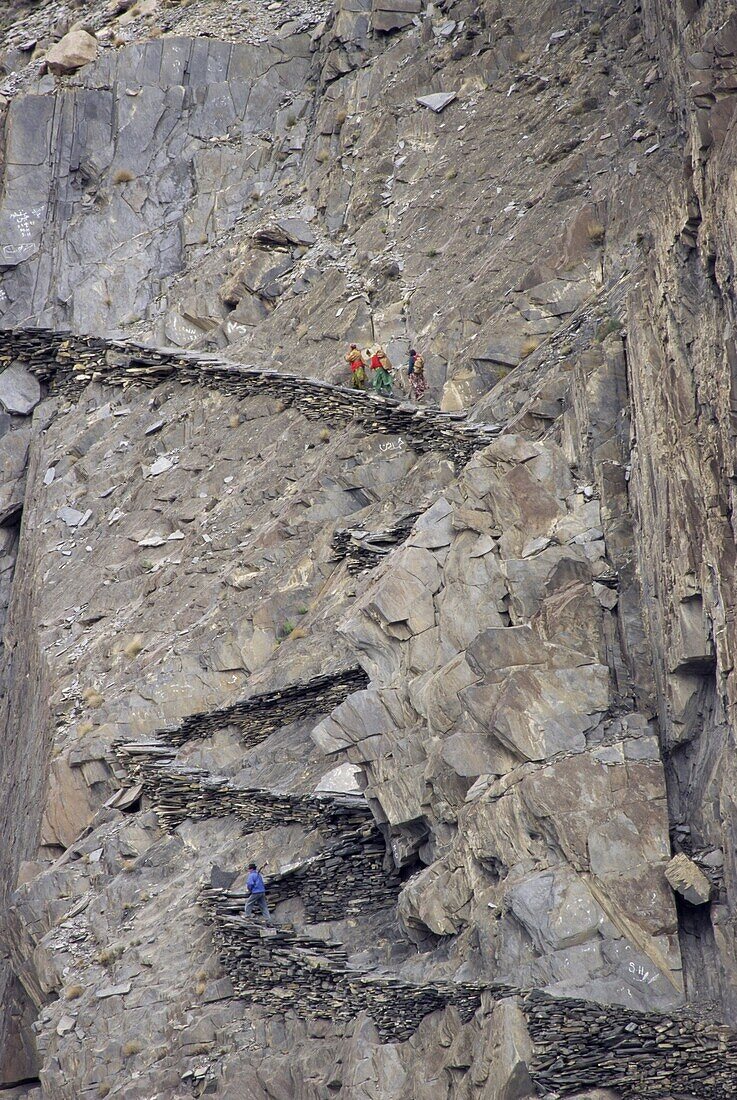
(72, 361)
(178, 793)
(260, 715)
(365, 549)
(577, 1044)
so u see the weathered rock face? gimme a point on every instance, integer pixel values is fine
(157, 152)
(506, 844)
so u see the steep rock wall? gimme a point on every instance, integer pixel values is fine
(549, 713)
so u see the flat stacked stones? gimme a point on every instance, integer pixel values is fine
(578, 1044)
(365, 549)
(258, 716)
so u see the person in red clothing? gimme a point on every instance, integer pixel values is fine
(382, 379)
(354, 359)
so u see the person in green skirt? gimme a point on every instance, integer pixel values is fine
(381, 380)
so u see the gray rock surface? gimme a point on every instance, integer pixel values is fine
(20, 391)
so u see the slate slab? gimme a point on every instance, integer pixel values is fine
(20, 392)
(437, 101)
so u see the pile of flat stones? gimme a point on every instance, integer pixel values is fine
(363, 550)
(258, 716)
(577, 1044)
(178, 793)
(70, 362)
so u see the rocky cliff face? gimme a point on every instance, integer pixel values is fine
(468, 692)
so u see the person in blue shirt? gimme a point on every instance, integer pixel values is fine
(256, 900)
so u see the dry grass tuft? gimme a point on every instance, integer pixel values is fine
(134, 647)
(131, 1047)
(123, 175)
(93, 698)
(595, 232)
(528, 347)
(73, 992)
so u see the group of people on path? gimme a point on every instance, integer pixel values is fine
(375, 366)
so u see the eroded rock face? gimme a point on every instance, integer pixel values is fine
(161, 149)
(533, 805)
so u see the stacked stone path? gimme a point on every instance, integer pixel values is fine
(178, 793)
(365, 549)
(314, 977)
(258, 716)
(577, 1044)
(71, 361)
(350, 874)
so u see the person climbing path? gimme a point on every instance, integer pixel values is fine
(407, 384)
(256, 892)
(417, 379)
(382, 379)
(354, 359)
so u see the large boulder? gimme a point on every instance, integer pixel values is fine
(75, 49)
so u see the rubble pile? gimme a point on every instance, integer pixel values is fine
(365, 549)
(71, 362)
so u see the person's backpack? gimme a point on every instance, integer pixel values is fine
(419, 365)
